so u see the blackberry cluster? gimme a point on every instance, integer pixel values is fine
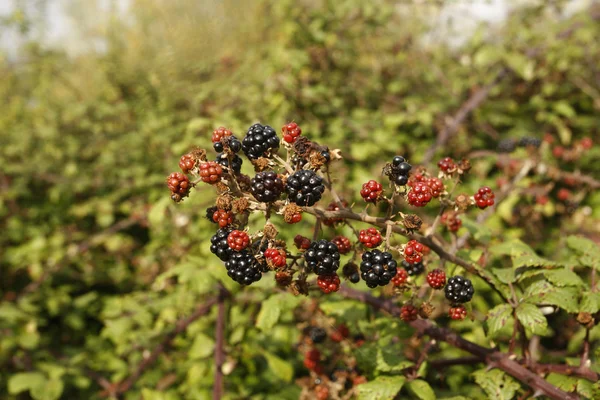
(322, 257)
(305, 187)
(236, 162)
(398, 171)
(377, 268)
(266, 186)
(413, 268)
(459, 290)
(243, 268)
(219, 245)
(259, 140)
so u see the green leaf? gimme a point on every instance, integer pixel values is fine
(52, 390)
(272, 308)
(202, 347)
(505, 275)
(498, 317)
(479, 232)
(347, 310)
(564, 108)
(521, 64)
(282, 369)
(590, 302)
(25, 381)
(421, 389)
(586, 389)
(496, 384)
(566, 383)
(563, 277)
(589, 251)
(543, 292)
(532, 319)
(382, 388)
(390, 360)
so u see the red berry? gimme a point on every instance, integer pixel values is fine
(558, 151)
(333, 206)
(371, 237)
(563, 194)
(419, 195)
(436, 185)
(458, 313)
(187, 163)
(436, 279)
(322, 392)
(211, 172)
(275, 257)
(179, 184)
(291, 131)
(343, 243)
(329, 283)
(340, 333)
(447, 165)
(408, 313)
(415, 178)
(238, 240)
(312, 360)
(301, 242)
(223, 218)
(586, 143)
(484, 197)
(413, 252)
(401, 277)
(451, 220)
(541, 199)
(371, 191)
(220, 133)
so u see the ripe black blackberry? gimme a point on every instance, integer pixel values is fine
(305, 187)
(398, 171)
(236, 162)
(377, 268)
(266, 186)
(243, 268)
(219, 245)
(258, 140)
(459, 290)
(210, 212)
(529, 141)
(317, 334)
(507, 145)
(322, 257)
(413, 268)
(232, 142)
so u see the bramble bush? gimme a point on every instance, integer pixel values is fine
(427, 227)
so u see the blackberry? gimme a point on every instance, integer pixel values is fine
(259, 140)
(305, 187)
(266, 186)
(506, 146)
(436, 279)
(322, 257)
(210, 211)
(398, 170)
(329, 283)
(377, 268)
(219, 245)
(317, 334)
(408, 313)
(529, 141)
(459, 290)
(413, 268)
(243, 268)
(232, 142)
(457, 313)
(236, 162)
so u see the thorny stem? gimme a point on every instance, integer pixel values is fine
(284, 163)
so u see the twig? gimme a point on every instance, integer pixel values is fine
(442, 363)
(219, 346)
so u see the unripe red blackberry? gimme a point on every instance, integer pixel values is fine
(436, 279)
(243, 268)
(329, 283)
(219, 134)
(259, 140)
(459, 290)
(223, 218)
(322, 257)
(586, 143)
(447, 165)
(484, 197)
(304, 187)
(187, 163)
(210, 172)
(436, 185)
(458, 312)
(340, 333)
(563, 194)
(238, 240)
(419, 195)
(266, 186)
(210, 212)
(312, 360)
(343, 243)
(370, 237)
(302, 242)
(371, 191)
(179, 184)
(275, 257)
(408, 313)
(558, 151)
(413, 252)
(333, 206)
(291, 131)
(452, 221)
(377, 268)
(321, 392)
(401, 277)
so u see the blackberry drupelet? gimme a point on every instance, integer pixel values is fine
(236, 162)
(322, 257)
(219, 245)
(232, 142)
(413, 268)
(305, 188)
(210, 211)
(266, 186)
(258, 140)
(459, 290)
(377, 268)
(243, 268)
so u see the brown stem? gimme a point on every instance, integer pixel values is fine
(220, 346)
(493, 358)
(442, 363)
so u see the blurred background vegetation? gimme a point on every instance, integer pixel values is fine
(96, 262)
